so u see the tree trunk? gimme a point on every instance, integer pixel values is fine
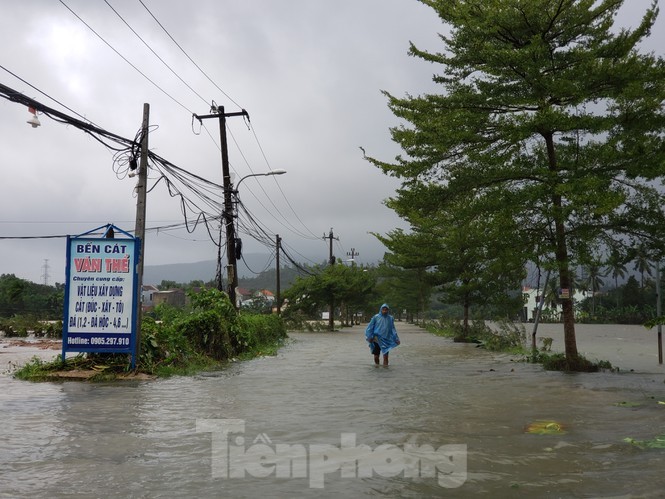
(561, 254)
(465, 323)
(331, 312)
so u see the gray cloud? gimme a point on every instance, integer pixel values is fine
(308, 72)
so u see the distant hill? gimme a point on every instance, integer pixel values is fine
(201, 271)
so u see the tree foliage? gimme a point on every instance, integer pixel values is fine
(548, 116)
(21, 297)
(337, 284)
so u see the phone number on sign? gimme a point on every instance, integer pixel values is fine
(109, 341)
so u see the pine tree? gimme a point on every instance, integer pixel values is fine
(548, 114)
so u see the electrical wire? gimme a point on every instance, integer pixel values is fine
(155, 53)
(131, 155)
(314, 236)
(46, 95)
(286, 225)
(270, 261)
(187, 55)
(125, 59)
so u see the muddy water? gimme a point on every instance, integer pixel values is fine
(322, 393)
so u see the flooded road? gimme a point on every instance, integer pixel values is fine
(443, 419)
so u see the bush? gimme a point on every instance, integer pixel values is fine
(559, 362)
(212, 329)
(509, 336)
(184, 341)
(162, 346)
(21, 326)
(207, 333)
(257, 331)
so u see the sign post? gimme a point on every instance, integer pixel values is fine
(101, 293)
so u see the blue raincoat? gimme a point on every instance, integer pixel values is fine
(381, 329)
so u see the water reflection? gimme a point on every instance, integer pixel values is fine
(140, 439)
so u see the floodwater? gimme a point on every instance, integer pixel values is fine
(320, 420)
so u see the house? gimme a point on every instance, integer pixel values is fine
(262, 297)
(147, 292)
(265, 294)
(531, 297)
(173, 297)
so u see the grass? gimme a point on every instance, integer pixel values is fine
(110, 367)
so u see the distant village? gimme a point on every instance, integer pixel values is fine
(151, 297)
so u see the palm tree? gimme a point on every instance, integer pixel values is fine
(594, 281)
(642, 263)
(617, 268)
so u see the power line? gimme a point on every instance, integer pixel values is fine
(289, 226)
(187, 55)
(286, 224)
(314, 236)
(155, 53)
(125, 59)
(190, 188)
(45, 94)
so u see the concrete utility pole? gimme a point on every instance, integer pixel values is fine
(228, 201)
(45, 274)
(278, 298)
(331, 257)
(353, 254)
(139, 230)
(331, 261)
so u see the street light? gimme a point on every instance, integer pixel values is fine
(232, 246)
(266, 174)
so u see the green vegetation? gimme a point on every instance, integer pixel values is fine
(21, 326)
(204, 336)
(544, 144)
(559, 362)
(19, 297)
(510, 337)
(347, 288)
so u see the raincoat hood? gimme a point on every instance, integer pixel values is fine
(384, 305)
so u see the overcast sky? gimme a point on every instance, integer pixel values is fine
(308, 72)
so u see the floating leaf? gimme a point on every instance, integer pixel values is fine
(629, 404)
(655, 443)
(545, 428)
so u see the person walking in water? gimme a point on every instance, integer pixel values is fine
(381, 334)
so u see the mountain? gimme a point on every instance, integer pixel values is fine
(203, 271)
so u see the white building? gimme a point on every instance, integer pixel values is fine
(531, 297)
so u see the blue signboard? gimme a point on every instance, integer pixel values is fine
(101, 293)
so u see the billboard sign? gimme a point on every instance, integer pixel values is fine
(101, 293)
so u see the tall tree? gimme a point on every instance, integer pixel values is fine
(471, 252)
(642, 262)
(617, 270)
(594, 280)
(335, 283)
(416, 254)
(406, 290)
(547, 113)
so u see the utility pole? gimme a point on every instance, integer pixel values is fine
(353, 254)
(331, 261)
(139, 230)
(331, 257)
(278, 243)
(228, 202)
(45, 275)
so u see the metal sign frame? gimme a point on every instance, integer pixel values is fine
(101, 291)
